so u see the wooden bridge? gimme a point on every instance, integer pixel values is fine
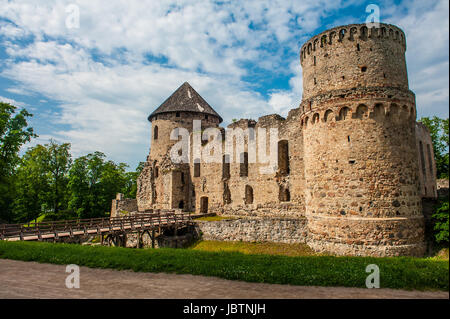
(115, 228)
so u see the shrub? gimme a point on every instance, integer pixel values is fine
(440, 218)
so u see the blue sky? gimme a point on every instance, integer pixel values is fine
(95, 85)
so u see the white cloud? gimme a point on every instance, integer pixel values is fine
(105, 87)
(12, 101)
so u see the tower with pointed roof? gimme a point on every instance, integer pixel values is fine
(169, 185)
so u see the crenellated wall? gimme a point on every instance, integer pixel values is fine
(353, 56)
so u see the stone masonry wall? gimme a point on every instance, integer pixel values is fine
(281, 230)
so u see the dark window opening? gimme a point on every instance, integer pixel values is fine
(248, 194)
(314, 60)
(156, 172)
(430, 162)
(351, 161)
(283, 157)
(364, 69)
(243, 166)
(226, 166)
(178, 114)
(284, 194)
(348, 138)
(182, 178)
(422, 160)
(155, 133)
(197, 168)
(181, 204)
(358, 47)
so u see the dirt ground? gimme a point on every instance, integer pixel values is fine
(20, 279)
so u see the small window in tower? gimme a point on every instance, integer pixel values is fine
(182, 178)
(364, 69)
(314, 60)
(156, 172)
(348, 138)
(315, 81)
(178, 114)
(358, 47)
(155, 133)
(206, 117)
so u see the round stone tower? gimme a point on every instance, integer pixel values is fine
(162, 183)
(358, 119)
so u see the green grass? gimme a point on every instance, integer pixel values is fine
(255, 248)
(400, 272)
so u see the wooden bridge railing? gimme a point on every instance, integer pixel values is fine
(77, 227)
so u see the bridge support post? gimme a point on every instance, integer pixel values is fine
(139, 239)
(153, 238)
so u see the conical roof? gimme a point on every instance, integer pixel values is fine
(185, 99)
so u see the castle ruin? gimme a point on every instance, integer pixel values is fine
(353, 165)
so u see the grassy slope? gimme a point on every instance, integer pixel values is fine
(402, 272)
(255, 248)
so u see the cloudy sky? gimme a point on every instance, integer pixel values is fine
(94, 84)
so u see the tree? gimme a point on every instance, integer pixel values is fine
(93, 183)
(31, 184)
(439, 136)
(57, 162)
(130, 188)
(14, 132)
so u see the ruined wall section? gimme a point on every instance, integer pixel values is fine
(427, 164)
(258, 192)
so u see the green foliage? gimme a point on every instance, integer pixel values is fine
(441, 221)
(14, 132)
(130, 188)
(41, 181)
(395, 272)
(93, 183)
(440, 137)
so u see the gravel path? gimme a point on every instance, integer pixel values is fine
(20, 279)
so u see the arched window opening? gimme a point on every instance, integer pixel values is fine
(248, 194)
(361, 111)
(344, 113)
(283, 157)
(328, 116)
(315, 118)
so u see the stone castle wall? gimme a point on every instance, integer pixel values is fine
(426, 162)
(349, 156)
(280, 230)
